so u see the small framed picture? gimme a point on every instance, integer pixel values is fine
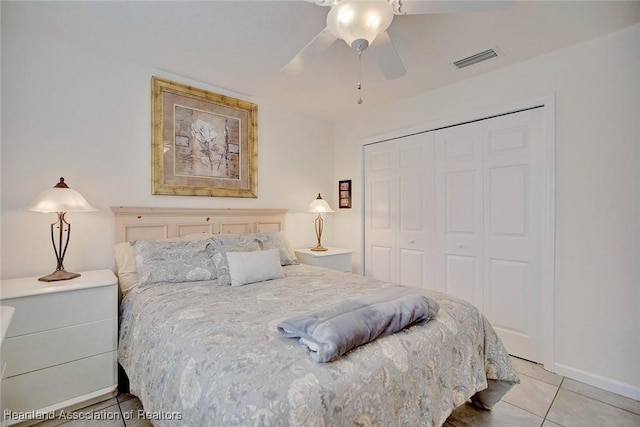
(344, 194)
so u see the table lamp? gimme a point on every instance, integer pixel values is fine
(319, 205)
(60, 199)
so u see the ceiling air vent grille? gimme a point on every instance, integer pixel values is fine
(474, 59)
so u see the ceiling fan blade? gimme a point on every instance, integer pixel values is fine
(322, 2)
(419, 7)
(310, 52)
(387, 57)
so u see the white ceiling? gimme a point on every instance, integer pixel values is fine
(242, 45)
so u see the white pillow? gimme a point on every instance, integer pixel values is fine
(251, 267)
(125, 256)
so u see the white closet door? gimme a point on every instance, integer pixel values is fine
(415, 211)
(380, 210)
(463, 210)
(513, 179)
(488, 184)
(398, 211)
(458, 212)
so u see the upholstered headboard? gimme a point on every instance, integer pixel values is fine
(133, 223)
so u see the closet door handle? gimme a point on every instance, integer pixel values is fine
(412, 241)
(460, 245)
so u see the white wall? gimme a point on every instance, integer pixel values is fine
(86, 116)
(597, 270)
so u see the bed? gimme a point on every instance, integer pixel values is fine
(197, 352)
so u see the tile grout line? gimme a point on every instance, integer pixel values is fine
(541, 380)
(544, 418)
(553, 401)
(124, 423)
(601, 401)
(522, 409)
(559, 386)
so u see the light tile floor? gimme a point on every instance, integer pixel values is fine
(549, 400)
(542, 399)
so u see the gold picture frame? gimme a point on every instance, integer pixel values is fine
(204, 144)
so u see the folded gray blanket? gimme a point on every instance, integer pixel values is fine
(331, 332)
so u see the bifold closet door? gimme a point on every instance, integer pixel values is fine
(399, 210)
(514, 208)
(380, 211)
(488, 182)
(458, 212)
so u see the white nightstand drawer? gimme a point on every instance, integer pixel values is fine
(34, 390)
(61, 309)
(57, 346)
(333, 258)
(336, 262)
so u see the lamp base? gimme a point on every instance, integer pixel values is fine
(58, 275)
(319, 248)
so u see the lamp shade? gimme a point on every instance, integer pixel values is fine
(359, 20)
(60, 198)
(319, 205)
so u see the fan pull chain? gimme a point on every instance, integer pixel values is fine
(359, 85)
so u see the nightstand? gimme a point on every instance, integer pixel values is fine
(60, 347)
(333, 258)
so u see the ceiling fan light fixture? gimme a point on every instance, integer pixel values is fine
(359, 22)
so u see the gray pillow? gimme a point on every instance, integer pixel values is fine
(180, 261)
(266, 239)
(277, 240)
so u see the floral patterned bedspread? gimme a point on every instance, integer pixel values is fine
(202, 354)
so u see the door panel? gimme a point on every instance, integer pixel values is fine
(415, 203)
(510, 286)
(461, 277)
(382, 262)
(513, 182)
(458, 212)
(398, 202)
(380, 205)
(460, 216)
(411, 240)
(380, 211)
(411, 211)
(411, 268)
(508, 200)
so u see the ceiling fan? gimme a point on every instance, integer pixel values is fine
(363, 24)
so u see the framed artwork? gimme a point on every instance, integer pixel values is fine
(344, 194)
(204, 144)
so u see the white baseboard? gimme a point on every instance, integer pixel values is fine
(614, 386)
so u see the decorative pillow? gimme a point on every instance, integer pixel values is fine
(220, 256)
(266, 239)
(252, 267)
(181, 261)
(277, 240)
(234, 240)
(287, 244)
(125, 256)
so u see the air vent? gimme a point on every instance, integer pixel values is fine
(478, 57)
